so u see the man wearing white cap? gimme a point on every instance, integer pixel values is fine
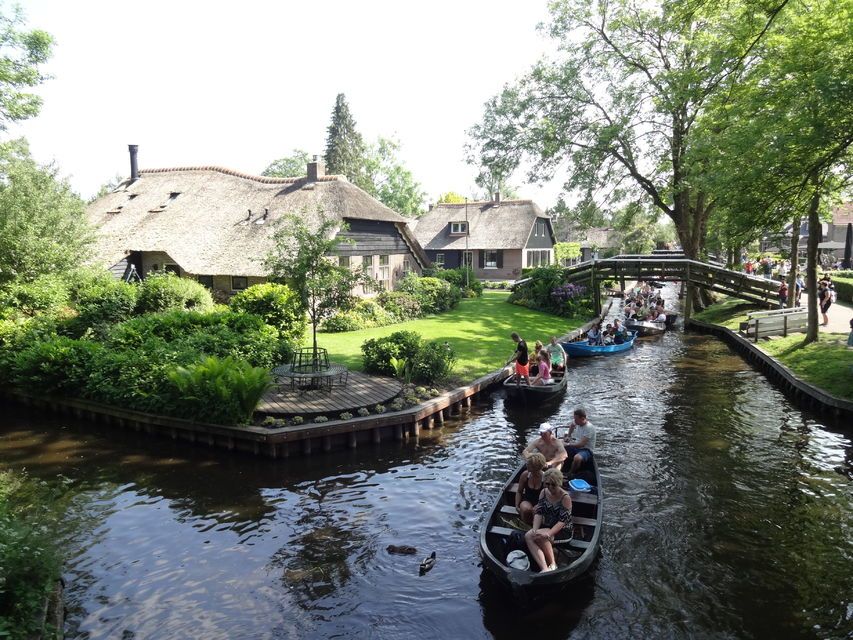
(549, 446)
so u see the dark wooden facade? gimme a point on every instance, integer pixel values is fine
(371, 237)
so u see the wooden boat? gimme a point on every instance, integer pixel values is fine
(645, 327)
(581, 349)
(536, 392)
(573, 558)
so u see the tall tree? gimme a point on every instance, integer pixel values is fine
(43, 228)
(289, 166)
(390, 181)
(21, 54)
(617, 107)
(345, 148)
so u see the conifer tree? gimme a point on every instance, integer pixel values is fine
(345, 149)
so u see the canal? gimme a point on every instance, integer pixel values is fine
(728, 514)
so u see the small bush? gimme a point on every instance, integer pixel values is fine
(320, 419)
(403, 306)
(365, 314)
(346, 415)
(433, 294)
(167, 292)
(45, 294)
(397, 404)
(433, 362)
(434, 393)
(379, 408)
(421, 392)
(377, 352)
(297, 420)
(55, 365)
(269, 421)
(457, 278)
(364, 411)
(224, 391)
(278, 305)
(104, 301)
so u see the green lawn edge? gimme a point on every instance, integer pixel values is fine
(826, 364)
(478, 331)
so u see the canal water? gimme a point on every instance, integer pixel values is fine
(728, 514)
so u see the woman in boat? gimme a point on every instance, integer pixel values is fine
(558, 355)
(593, 336)
(529, 487)
(620, 334)
(534, 360)
(543, 371)
(552, 521)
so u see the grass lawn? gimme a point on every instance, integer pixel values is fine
(827, 364)
(478, 330)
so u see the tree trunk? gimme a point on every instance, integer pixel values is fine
(792, 276)
(811, 272)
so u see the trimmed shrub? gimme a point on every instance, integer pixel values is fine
(44, 294)
(278, 305)
(222, 391)
(377, 352)
(165, 291)
(363, 412)
(433, 362)
(843, 287)
(364, 315)
(456, 277)
(56, 365)
(103, 302)
(433, 294)
(403, 306)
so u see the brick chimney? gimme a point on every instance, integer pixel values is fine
(316, 170)
(134, 168)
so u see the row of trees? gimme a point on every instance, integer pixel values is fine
(729, 116)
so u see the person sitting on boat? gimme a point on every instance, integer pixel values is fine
(607, 335)
(552, 521)
(593, 336)
(529, 487)
(534, 359)
(580, 441)
(656, 315)
(620, 333)
(557, 354)
(543, 369)
(548, 445)
(520, 358)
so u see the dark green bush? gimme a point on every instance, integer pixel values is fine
(377, 352)
(403, 306)
(433, 294)
(222, 391)
(433, 362)
(166, 292)
(45, 294)
(104, 302)
(278, 305)
(55, 365)
(456, 277)
(843, 287)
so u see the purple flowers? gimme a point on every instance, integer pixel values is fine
(566, 292)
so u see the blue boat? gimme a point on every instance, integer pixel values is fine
(581, 349)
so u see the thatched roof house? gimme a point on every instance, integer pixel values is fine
(497, 238)
(217, 225)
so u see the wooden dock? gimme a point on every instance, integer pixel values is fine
(361, 390)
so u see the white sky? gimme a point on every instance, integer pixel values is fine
(241, 84)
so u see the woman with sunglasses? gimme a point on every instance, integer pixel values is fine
(552, 521)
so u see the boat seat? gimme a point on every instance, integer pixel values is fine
(512, 511)
(506, 532)
(577, 496)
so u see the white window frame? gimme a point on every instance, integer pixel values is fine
(344, 261)
(439, 259)
(490, 264)
(459, 228)
(407, 265)
(384, 275)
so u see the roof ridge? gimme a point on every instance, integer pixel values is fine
(478, 202)
(240, 174)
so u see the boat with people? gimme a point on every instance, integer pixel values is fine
(502, 546)
(516, 388)
(645, 328)
(581, 348)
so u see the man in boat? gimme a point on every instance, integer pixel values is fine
(521, 359)
(549, 446)
(580, 441)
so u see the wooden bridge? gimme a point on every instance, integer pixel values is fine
(674, 268)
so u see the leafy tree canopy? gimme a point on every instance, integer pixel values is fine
(21, 54)
(451, 197)
(43, 228)
(290, 166)
(390, 181)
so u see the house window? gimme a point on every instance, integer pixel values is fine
(367, 266)
(206, 281)
(407, 265)
(343, 261)
(238, 283)
(384, 273)
(491, 260)
(172, 268)
(468, 259)
(458, 227)
(439, 259)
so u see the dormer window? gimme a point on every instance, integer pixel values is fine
(458, 228)
(172, 197)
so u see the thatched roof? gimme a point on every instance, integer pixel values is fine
(598, 237)
(491, 225)
(843, 213)
(204, 228)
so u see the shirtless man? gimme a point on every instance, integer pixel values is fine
(549, 446)
(580, 440)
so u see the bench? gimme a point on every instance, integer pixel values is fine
(509, 510)
(576, 496)
(506, 532)
(780, 322)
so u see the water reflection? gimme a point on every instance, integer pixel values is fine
(727, 514)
